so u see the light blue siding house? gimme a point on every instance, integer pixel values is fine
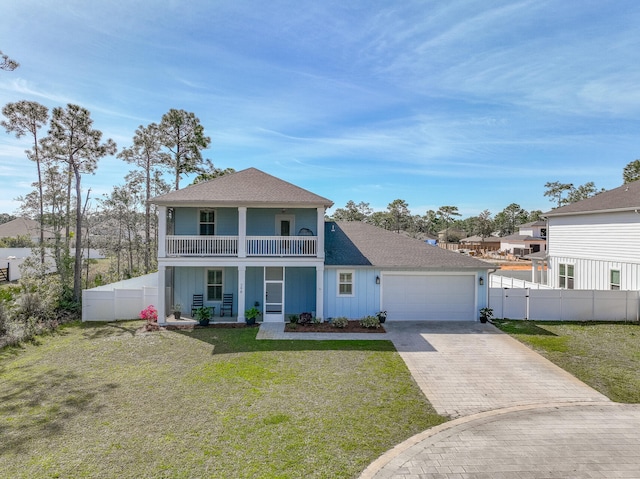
(262, 241)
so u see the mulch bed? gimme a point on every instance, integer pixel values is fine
(352, 327)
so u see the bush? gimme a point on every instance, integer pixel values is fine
(293, 318)
(370, 322)
(340, 322)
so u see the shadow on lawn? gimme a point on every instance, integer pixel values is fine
(236, 340)
(39, 403)
(524, 327)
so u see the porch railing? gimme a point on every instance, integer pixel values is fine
(282, 245)
(183, 245)
(193, 245)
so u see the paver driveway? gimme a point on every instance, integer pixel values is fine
(465, 368)
(518, 415)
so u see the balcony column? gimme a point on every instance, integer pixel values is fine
(242, 231)
(242, 270)
(320, 228)
(162, 293)
(162, 231)
(320, 292)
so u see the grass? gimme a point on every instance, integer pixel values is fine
(605, 356)
(107, 401)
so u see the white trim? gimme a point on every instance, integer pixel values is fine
(353, 282)
(206, 284)
(286, 217)
(215, 220)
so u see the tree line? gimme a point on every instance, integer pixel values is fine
(397, 217)
(65, 147)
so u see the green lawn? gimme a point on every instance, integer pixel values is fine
(109, 401)
(604, 355)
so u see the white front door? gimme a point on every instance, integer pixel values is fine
(274, 293)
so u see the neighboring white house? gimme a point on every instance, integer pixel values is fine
(531, 238)
(595, 243)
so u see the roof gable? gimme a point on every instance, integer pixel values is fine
(360, 244)
(625, 197)
(246, 187)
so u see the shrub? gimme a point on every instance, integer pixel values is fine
(370, 322)
(150, 313)
(293, 318)
(340, 322)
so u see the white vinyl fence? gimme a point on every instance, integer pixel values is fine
(121, 300)
(565, 304)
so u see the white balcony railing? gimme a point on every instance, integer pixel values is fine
(187, 245)
(178, 245)
(282, 245)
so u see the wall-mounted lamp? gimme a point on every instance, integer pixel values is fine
(481, 281)
(377, 279)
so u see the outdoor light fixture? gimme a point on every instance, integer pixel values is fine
(377, 279)
(481, 281)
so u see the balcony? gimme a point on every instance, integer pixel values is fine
(183, 245)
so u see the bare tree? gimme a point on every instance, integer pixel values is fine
(146, 155)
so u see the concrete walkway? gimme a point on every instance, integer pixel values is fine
(516, 415)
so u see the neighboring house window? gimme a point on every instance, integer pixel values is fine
(615, 279)
(207, 222)
(345, 283)
(214, 285)
(543, 232)
(566, 276)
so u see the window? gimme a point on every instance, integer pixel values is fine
(566, 276)
(207, 222)
(345, 283)
(214, 285)
(615, 279)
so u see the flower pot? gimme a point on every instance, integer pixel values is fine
(483, 319)
(250, 321)
(176, 314)
(204, 322)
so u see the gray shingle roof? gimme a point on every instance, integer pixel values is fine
(23, 227)
(625, 197)
(242, 188)
(359, 244)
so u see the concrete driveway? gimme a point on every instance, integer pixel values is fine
(517, 414)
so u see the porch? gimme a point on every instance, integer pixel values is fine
(194, 245)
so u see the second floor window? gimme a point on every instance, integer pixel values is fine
(566, 276)
(207, 222)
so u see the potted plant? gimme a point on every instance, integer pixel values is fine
(382, 316)
(251, 315)
(486, 314)
(203, 315)
(177, 310)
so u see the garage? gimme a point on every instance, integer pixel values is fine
(419, 296)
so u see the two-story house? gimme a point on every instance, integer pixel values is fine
(263, 242)
(530, 238)
(595, 243)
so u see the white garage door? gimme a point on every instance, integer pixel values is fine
(429, 297)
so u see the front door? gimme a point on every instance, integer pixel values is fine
(274, 293)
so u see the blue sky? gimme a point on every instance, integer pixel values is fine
(475, 104)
